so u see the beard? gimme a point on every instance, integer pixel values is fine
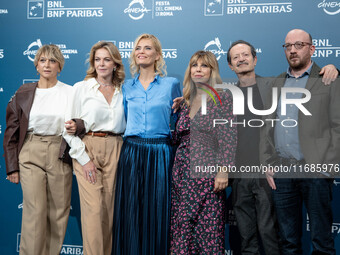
(296, 63)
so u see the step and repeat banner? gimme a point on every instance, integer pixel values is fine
(183, 27)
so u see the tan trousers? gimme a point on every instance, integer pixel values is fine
(97, 200)
(46, 185)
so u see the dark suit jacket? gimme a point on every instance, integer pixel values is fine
(319, 134)
(17, 117)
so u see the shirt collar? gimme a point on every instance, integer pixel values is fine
(157, 79)
(93, 83)
(307, 72)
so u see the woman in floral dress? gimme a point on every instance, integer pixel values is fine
(198, 190)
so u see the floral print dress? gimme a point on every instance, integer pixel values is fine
(197, 212)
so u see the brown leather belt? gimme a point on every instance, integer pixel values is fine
(102, 134)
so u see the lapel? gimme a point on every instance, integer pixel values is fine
(278, 83)
(25, 98)
(314, 74)
(263, 86)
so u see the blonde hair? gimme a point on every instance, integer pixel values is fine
(50, 51)
(209, 59)
(159, 65)
(118, 75)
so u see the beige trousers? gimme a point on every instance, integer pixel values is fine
(97, 200)
(46, 185)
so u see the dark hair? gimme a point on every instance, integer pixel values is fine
(252, 49)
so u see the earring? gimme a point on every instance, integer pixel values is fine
(114, 69)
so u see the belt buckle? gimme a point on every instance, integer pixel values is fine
(106, 135)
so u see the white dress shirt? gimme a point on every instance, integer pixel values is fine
(90, 105)
(47, 114)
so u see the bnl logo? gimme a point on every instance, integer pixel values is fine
(35, 9)
(213, 7)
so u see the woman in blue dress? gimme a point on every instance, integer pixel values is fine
(142, 202)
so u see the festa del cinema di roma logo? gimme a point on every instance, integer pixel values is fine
(330, 7)
(34, 46)
(238, 104)
(136, 9)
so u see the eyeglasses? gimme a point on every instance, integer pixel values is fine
(297, 45)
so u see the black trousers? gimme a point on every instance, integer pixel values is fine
(254, 211)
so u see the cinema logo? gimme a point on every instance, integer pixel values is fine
(137, 9)
(57, 9)
(330, 7)
(335, 226)
(324, 49)
(215, 47)
(32, 49)
(125, 49)
(254, 7)
(238, 106)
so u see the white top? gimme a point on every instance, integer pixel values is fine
(47, 114)
(90, 105)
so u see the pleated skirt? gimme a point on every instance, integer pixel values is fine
(142, 199)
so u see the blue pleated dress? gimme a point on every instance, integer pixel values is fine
(142, 197)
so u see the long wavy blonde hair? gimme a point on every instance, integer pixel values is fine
(118, 75)
(159, 65)
(209, 59)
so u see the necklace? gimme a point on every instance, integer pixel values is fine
(105, 85)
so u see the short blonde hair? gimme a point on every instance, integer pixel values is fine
(209, 59)
(159, 66)
(50, 51)
(118, 75)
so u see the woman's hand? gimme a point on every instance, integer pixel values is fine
(177, 102)
(90, 172)
(71, 127)
(330, 73)
(14, 177)
(221, 181)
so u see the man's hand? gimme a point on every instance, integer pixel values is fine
(270, 178)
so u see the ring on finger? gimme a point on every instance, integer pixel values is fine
(90, 174)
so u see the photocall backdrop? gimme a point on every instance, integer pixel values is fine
(183, 27)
